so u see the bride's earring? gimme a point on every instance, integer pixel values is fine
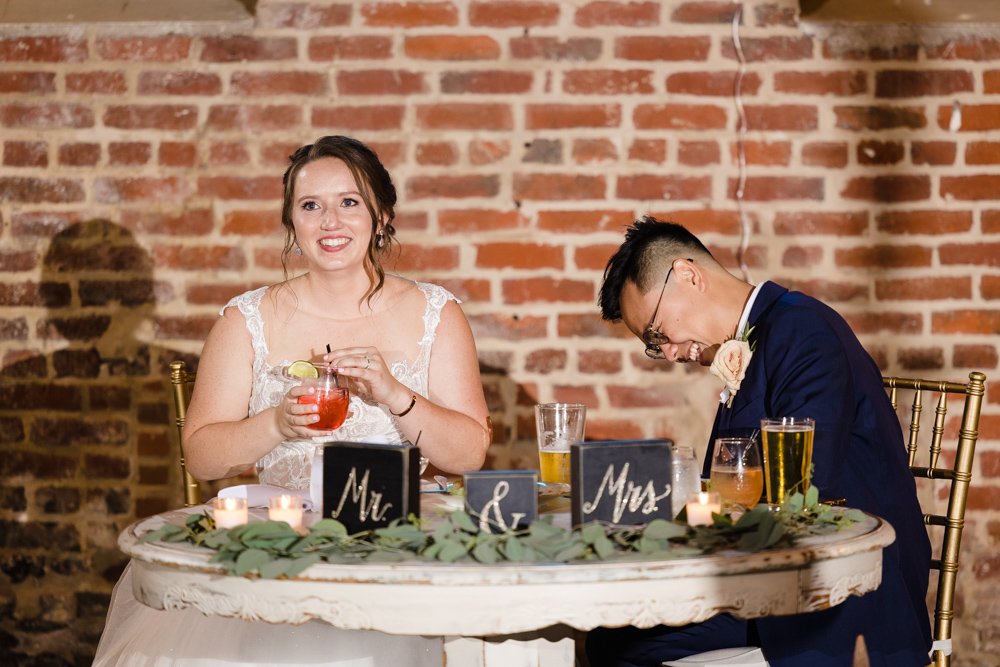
(297, 251)
(380, 240)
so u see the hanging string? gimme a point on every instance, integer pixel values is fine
(741, 155)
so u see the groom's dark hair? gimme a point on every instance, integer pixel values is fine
(650, 245)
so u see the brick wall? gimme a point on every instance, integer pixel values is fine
(139, 178)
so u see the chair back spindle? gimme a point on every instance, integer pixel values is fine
(182, 380)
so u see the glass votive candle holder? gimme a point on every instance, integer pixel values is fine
(230, 512)
(287, 508)
(701, 506)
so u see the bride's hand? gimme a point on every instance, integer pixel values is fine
(293, 418)
(371, 376)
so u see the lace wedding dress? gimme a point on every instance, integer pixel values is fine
(139, 636)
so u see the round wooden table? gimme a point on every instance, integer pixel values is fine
(506, 610)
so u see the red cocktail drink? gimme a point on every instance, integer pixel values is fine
(330, 398)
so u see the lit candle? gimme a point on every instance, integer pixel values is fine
(700, 509)
(286, 508)
(230, 512)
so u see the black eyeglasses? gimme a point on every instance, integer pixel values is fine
(652, 336)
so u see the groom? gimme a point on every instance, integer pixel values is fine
(666, 287)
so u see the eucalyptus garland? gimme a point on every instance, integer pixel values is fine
(271, 549)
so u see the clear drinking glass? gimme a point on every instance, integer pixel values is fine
(558, 426)
(787, 444)
(330, 398)
(685, 477)
(736, 473)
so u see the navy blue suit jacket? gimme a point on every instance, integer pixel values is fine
(808, 363)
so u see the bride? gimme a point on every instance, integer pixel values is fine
(408, 353)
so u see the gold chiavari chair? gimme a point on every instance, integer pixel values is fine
(182, 381)
(959, 475)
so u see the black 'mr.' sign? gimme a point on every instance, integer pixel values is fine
(620, 481)
(501, 500)
(367, 485)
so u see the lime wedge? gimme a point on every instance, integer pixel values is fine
(301, 369)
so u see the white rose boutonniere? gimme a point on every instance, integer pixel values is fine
(730, 363)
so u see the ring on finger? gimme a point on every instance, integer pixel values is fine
(368, 362)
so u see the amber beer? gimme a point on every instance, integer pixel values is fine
(788, 444)
(558, 425)
(554, 466)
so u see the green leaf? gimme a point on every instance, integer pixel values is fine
(514, 550)
(330, 527)
(658, 529)
(571, 552)
(486, 552)
(275, 568)
(855, 515)
(300, 564)
(250, 560)
(812, 497)
(603, 547)
(451, 551)
(462, 521)
(592, 532)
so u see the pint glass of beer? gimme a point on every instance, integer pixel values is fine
(558, 426)
(787, 444)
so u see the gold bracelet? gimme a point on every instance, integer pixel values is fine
(413, 401)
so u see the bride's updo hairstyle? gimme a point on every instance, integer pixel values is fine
(377, 192)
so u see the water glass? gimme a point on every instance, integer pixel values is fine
(685, 478)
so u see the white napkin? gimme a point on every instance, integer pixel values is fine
(257, 495)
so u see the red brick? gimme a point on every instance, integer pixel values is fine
(356, 47)
(278, 83)
(630, 14)
(933, 152)
(789, 117)
(966, 322)
(593, 256)
(40, 190)
(717, 84)
(885, 256)
(770, 188)
(982, 152)
(38, 83)
(872, 323)
(199, 258)
(986, 254)
(409, 14)
(250, 223)
(880, 152)
(239, 48)
(464, 116)
(43, 49)
(483, 151)
(761, 49)
(589, 325)
(179, 83)
(679, 117)
(42, 223)
(843, 50)
(46, 116)
(921, 359)
(558, 116)
(545, 361)
(518, 256)
(379, 117)
(698, 153)
(976, 356)
(550, 187)
(228, 152)
(277, 153)
(991, 82)
(656, 48)
(178, 154)
(584, 222)
(115, 190)
(506, 327)
(879, 118)
(551, 48)
(799, 256)
(924, 222)
(990, 221)
(236, 187)
(769, 153)
(824, 154)
(188, 222)
(26, 154)
(975, 187)
(302, 15)
(975, 117)
(911, 83)
(599, 361)
(451, 47)
(608, 82)
(888, 188)
(468, 290)
(529, 290)
(162, 117)
(652, 187)
(193, 328)
(975, 48)
(18, 261)
(479, 220)
(918, 289)
(428, 258)
(649, 150)
(107, 83)
(453, 187)
(513, 14)
(232, 117)
(704, 221)
(594, 151)
(380, 82)
(122, 153)
(613, 429)
(391, 153)
(830, 291)
(496, 82)
(167, 48)
(568, 394)
(834, 224)
(705, 11)
(776, 14)
(441, 153)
